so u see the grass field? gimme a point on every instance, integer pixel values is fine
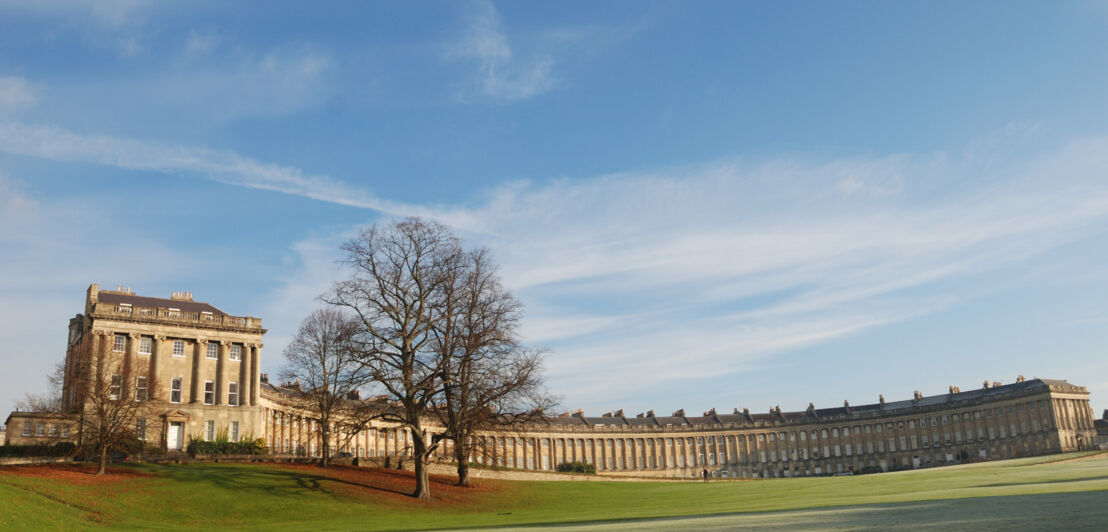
(1068, 492)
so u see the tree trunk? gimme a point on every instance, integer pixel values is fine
(103, 460)
(463, 465)
(422, 476)
(325, 452)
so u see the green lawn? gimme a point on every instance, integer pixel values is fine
(1043, 492)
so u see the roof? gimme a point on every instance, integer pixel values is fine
(112, 297)
(792, 417)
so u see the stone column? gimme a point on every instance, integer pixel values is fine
(196, 390)
(255, 370)
(130, 374)
(99, 347)
(156, 352)
(245, 375)
(221, 373)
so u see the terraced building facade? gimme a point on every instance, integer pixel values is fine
(197, 372)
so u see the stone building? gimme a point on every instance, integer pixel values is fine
(199, 376)
(194, 368)
(1028, 417)
(1102, 431)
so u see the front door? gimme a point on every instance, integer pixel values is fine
(175, 435)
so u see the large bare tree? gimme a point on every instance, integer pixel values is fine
(321, 358)
(395, 290)
(111, 398)
(490, 378)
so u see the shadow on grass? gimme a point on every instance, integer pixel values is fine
(1066, 511)
(273, 479)
(1033, 482)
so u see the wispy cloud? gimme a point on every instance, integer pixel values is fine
(223, 166)
(114, 14)
(500, 75)
(51, 249)
(15, 94)
(666, 277)
(119, 25)
(202, 42)
(662, 277)
(238, 82)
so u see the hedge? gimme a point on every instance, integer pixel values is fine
(21, 451)
(577, 467)
(223, 447)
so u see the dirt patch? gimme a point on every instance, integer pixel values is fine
(75, 473)
(396, 485)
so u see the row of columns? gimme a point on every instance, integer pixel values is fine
(248, 374)
(289, 433)
(1025, 422)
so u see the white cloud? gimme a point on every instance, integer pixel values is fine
(111, 14)
(52, 249)
(15, 94)
(202, 42)
(239, 83)
(116, 24)
(671, 275)
(708, 270)
(224, 166)
(500, 75)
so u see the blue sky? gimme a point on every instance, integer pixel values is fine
(702, 205)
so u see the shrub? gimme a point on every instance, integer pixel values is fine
(58, 449)
(577, 467)
(247, 445)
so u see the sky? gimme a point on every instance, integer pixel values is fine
(711, 204)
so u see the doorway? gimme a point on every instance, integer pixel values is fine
(175, 436)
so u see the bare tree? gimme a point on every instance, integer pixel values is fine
(51, 399)
(110, 398)
(395, 290)
(490, 378)
(321, 359)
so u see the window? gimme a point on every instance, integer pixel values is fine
(209, 430)
(175, 390)
(140, 428)
(213, 350)
(236, 352)
(65, 430)
(27, 428)
(233, 393)
(234, 431)
(40, 429)
(145, 345)
(120, 343)
(209, 393)
(116, 387)
(140, 388)
(178, 348)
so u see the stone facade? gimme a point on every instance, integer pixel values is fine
(201, 369)
(1025, 418)
(1029, 417)
(194, 368)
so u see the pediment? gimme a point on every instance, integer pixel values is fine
(176, 415)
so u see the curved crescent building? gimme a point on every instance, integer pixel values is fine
(196, 371)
